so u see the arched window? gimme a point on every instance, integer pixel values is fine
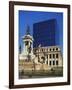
(56, 48)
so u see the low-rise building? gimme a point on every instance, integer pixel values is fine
(51, 56)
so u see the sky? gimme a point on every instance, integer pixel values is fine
(28, 18)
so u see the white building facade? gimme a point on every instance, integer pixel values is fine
(50, 56)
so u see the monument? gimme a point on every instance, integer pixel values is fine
(27, 51)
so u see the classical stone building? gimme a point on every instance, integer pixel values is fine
(50, 56)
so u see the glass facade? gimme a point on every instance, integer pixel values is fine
(45, 33)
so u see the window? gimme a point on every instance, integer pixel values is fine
(50, 56)
(56, 62)
(56, 55)
(50, 63)
(50, 49)
(42, 50)
(53, 55)
(53, 62)
(56, 48)
(53, 49)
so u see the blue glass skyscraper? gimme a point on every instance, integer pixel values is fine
(46, 33)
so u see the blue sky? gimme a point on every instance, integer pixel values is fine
(31, 17)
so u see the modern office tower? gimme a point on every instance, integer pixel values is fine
(45, 33)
